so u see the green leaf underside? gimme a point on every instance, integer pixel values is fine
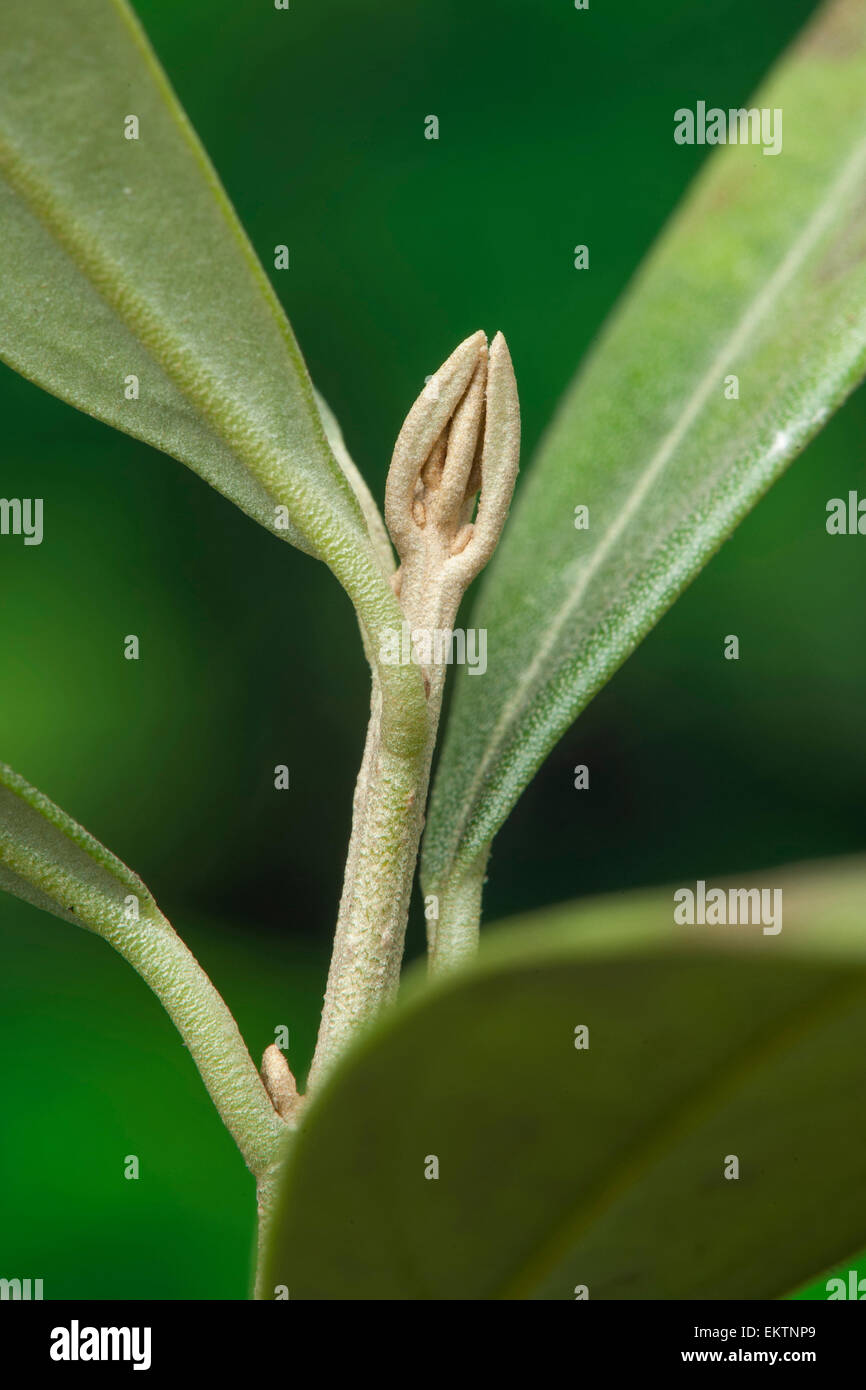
(603, 1167)
(124, 257)
(48, 859)
(761, 274)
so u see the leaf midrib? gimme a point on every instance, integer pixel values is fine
(230, 217)
(103, 276)
(531, 675)
(168, 352)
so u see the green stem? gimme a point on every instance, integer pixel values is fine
(267, 1189)
(455, 938)
(388, 818)
(368, 945)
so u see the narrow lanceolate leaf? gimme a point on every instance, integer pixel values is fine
(130, 289)
(49, 860)
(54, 863)
(744, 330)
(601, 1101)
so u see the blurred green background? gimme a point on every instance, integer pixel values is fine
(556, 128)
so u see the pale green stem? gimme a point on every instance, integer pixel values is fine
(267, 1191)
(390, 797)
(371, 926)
(455, 938)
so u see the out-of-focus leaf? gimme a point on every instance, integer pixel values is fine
(601, 1165)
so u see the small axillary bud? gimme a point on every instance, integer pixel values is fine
(279, 1083)
(461, 438)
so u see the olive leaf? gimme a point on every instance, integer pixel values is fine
(744, 330)
(600, 1101)
(131, 290)
(49, 860)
